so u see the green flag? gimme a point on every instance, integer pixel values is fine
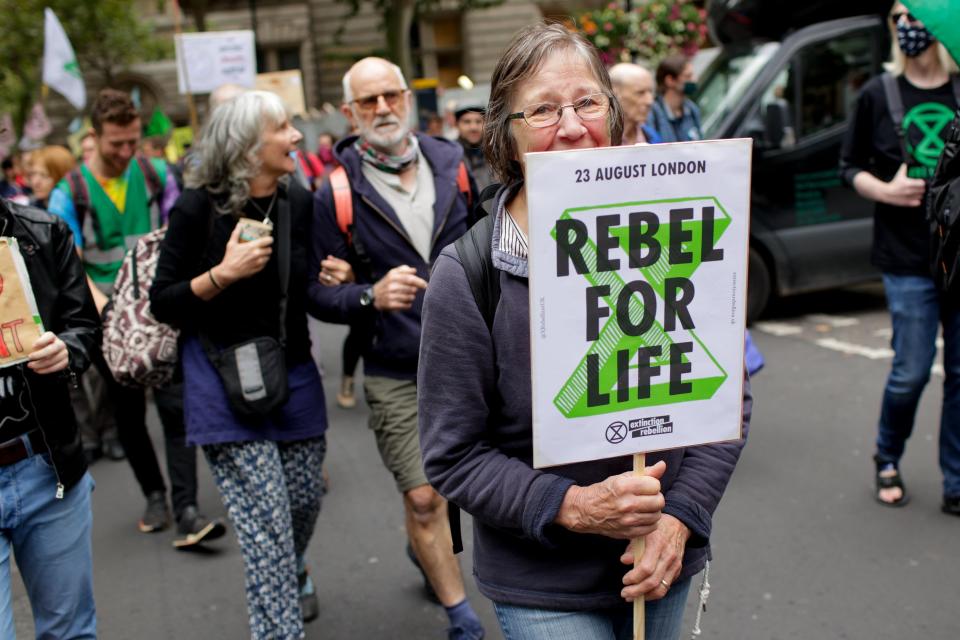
(159, 125)
(941, 18)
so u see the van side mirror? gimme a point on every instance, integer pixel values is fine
(776, 120)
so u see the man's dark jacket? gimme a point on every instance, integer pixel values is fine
(66, 307)
(394, 349)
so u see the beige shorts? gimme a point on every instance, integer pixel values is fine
(393, 418)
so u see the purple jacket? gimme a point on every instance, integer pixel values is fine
(396, 335)
(476, 438)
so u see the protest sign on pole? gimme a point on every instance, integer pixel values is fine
(638, 274)
(210, 59)
(20, 324)
(288, 85)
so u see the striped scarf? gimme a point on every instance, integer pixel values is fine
(386, 162)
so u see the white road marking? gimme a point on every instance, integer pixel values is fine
(833, 321)
(850, 348)
(778, 329)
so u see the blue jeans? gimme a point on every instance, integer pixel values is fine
(51, 541)
(917, 310)
(663, 620)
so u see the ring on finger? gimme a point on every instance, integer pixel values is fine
(665, 584)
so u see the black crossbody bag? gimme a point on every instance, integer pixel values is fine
(254, 372)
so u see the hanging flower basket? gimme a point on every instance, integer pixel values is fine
(648, 33)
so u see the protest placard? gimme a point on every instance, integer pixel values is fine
(210, 59)
(638, 274)
(288, 85)
(20, 323)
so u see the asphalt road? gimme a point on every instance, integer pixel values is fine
(801, 549)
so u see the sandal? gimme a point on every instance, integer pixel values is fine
(894, 481)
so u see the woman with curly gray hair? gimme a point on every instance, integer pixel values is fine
(220, 279)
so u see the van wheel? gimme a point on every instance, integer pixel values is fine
(758, 286)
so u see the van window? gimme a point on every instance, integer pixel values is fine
(821, 83)
(727, 79)
(831, 74)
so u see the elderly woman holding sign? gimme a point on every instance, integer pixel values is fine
(549, 544)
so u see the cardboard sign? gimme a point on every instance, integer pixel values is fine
(638, 275)
(20, 324)
(210, 59)
(288, 85)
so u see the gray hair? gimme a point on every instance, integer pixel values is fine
(348, 92)
(523, 58)
(226, 157)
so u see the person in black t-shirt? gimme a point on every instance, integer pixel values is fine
(874, 163)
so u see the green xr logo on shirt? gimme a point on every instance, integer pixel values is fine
(923, 126)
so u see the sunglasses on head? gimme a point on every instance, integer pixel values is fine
(895, 17)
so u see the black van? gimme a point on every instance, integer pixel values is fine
(791, 91)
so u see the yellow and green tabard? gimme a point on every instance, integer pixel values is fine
(116, 220)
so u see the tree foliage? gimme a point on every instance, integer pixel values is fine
(106, 36)
(398, 16)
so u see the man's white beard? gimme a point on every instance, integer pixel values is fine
(387, 143)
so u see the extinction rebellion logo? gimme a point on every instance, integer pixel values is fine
(638, 428)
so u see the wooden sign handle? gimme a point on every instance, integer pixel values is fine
(639, 613)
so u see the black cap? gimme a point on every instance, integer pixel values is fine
(459, 113)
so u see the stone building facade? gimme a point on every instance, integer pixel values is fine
(304, 35)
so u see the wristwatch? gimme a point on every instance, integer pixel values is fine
(366, 298)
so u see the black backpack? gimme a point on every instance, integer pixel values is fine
(943, 212)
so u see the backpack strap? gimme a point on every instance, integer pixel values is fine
(473, 247)
(343, 207)
(463, 183)
(895, 107)
(154, 187)
(474, 250)
(342, 201)
(79, 194)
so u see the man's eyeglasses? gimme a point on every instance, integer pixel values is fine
(547, 114)
(895, 17)
(369, 103)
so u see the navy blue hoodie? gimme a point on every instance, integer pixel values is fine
(396, 334)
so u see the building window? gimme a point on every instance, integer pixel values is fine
(437, 44)
(278, 58)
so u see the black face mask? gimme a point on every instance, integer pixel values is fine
(913, 40)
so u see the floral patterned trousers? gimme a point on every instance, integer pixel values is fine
(272, 491)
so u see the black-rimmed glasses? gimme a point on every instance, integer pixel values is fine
(546, 114)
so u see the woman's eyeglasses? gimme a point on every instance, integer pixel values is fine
(547, 114)
(369, 103)
(895, 17)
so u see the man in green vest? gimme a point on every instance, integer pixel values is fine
(109, 203)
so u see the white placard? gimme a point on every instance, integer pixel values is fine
(660, 232)
(211, 59)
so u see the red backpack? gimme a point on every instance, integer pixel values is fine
(343, 198)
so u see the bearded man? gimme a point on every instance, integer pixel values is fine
(401, 192)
